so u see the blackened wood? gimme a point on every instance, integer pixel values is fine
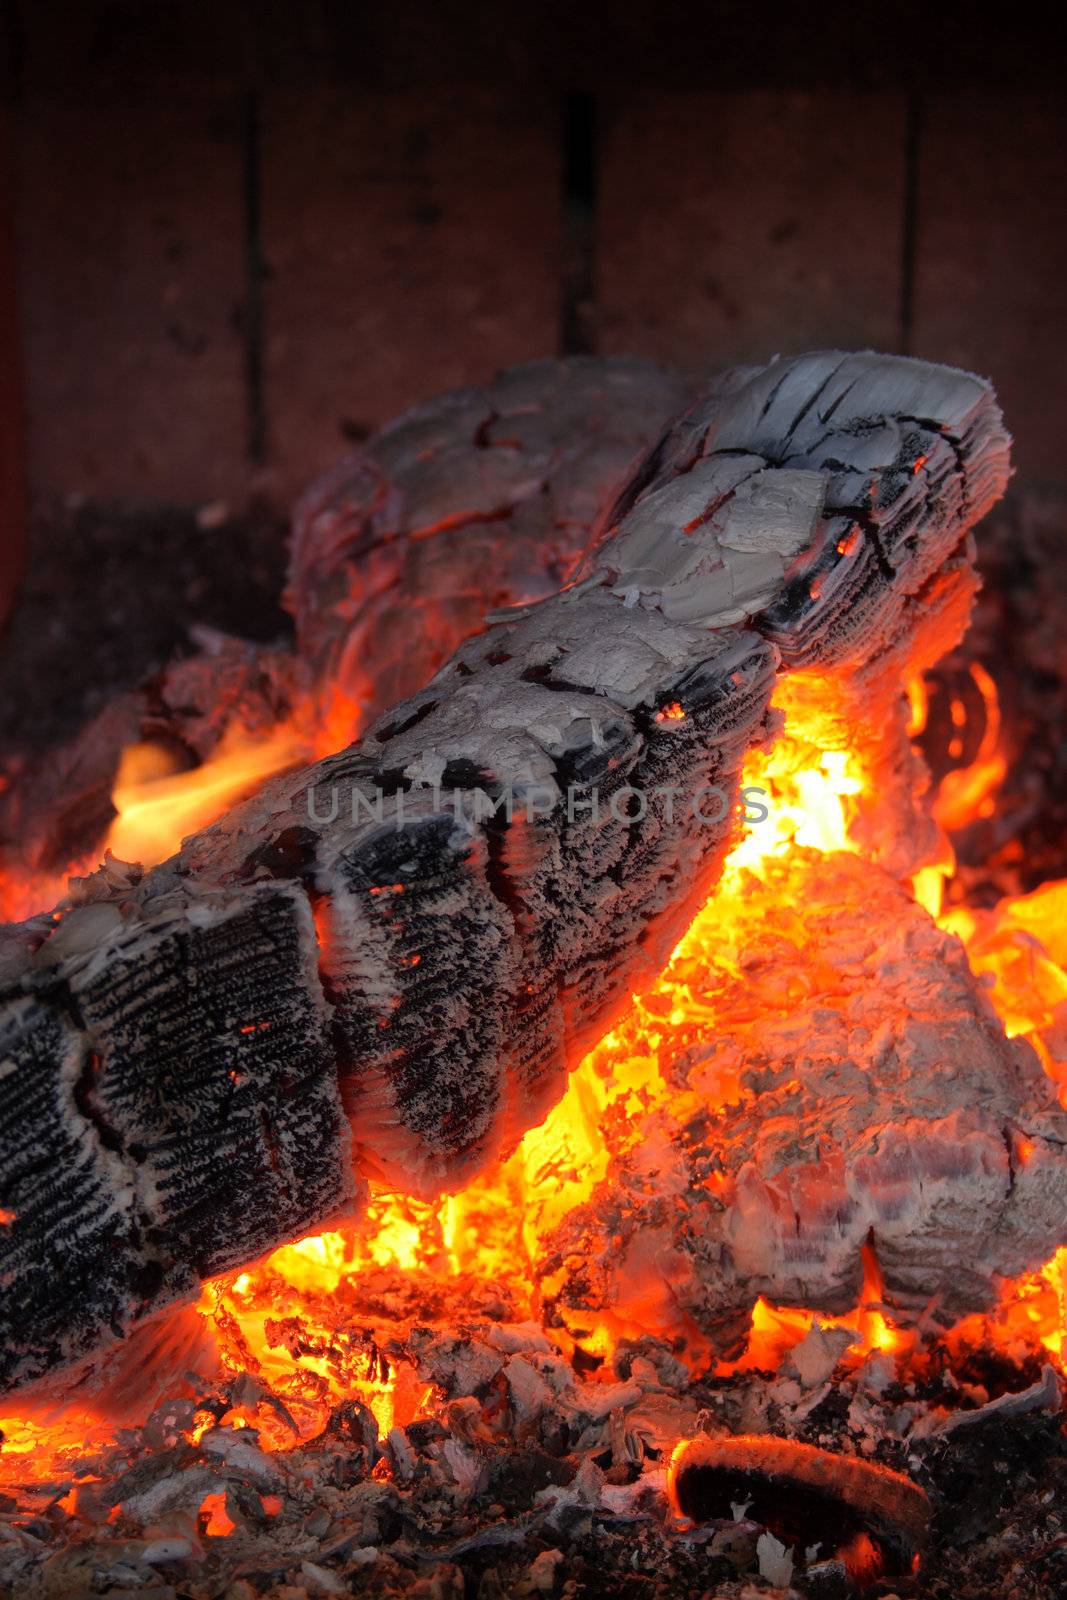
(170, 1110)
(506, 856)
(75, 1270)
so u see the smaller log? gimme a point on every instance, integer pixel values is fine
(804, 1495)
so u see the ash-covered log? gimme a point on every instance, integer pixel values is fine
(857, 1091)
(477, 499)
(493, 870)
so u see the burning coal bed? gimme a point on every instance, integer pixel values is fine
(671, 1199)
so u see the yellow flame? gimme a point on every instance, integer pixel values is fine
(157, 807)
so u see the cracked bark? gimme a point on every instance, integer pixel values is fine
(252, 1071)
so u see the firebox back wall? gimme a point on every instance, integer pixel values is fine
(244, 238)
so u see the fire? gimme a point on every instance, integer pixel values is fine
(775, 1330)
(969, 792)
(1018, 948)
(298, 1321)
(158, 801)
(157, 806)
(215, 1518)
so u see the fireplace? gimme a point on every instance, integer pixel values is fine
(532, 1037)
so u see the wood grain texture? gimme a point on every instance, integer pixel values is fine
(165, 1106)
(991, 265)
(132, 278)
(411, 245)
(736, 225)
(496, 866)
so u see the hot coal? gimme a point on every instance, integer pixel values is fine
(485, 1494)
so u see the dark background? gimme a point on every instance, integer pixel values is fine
(244, 234)
(236, 237)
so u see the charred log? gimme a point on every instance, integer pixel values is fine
(513, 851)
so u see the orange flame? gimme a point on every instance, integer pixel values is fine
(157, 807)
(968, 792)
(290, 1319)
(215, 1518)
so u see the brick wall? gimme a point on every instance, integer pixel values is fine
(247, 235)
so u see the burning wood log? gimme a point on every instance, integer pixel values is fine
(494, 868)
(477, 499)
(858, 1090)
(470, 501)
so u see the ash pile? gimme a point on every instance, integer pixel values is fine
(527, 1474)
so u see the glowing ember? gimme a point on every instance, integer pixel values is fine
(315, 1321)
(969, 792)
(214, 1516)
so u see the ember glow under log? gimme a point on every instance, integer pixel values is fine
(854, 1091)
(205, 1063)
